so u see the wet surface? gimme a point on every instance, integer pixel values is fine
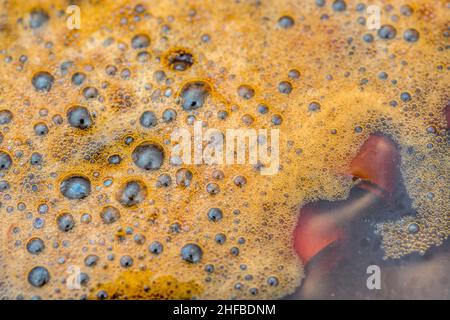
(88, 184)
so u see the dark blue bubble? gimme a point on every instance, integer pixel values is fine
(36, 158)
(411, 35)
(5, 160)
(35, 246)
(65, 222)
(215, 214)
(42, 81)
(75, 187)
(110, 214)
(78, 78)
(286, 22)
(148, 156)
(156, 247)
(387, 32)
(79, 117)
(339, 5)
(193, 95)
(91, 260)
(148, 119)
(38, 17)
(38, 276)
(126, 261)
(41, 129)
(132, 193)
(140, 41)
(5, 117)
(191, 253)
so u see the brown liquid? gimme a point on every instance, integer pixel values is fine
(247, 46)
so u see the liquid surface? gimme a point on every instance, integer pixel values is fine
(96, 202)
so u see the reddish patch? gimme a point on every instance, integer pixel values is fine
(377, 161)
(313, 233)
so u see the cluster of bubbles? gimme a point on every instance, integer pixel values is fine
(193, 222)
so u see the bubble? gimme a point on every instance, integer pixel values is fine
(110, 214)
(143, 56)
(220, 238)
(240, 181)
(360, 7)
(86, 218)
(286, 22)
(411, 35)
(148, 156)
(215, 214)
(383, 75)
(139, 238)
(78, 78)
(5, 117)
(38, 276)
(164, 180)
(368, 37)
(406, 10)
(206, 38)
(43, 208)
(183, 177)
(65, 222)
(140, 41)
(126, 261)
(222, 114)
(156, 248)
(75, 187)
(148, 119)
(84, 278)
(180, 60)
(314, 106)
(132, 193)
(212, 188)
(35, 245)
(194, 94)
(320, 3)
(218, 175)
(262, 109)
(276, 119)
(43, 81)
(128, 140)
(111, 70)
(339, 5)
(285, 87)
(159, 75)
(413, 228)
(169, 115)
(209, 268)
(40, 129)
(102, 294)
(91, 260)
(139, 8)
(90, 93)
(4, 185)
(125, 73)
(245, 91)
(114, 159)
(272, 281)
(405, 97)
(254, 291)
(294, 74)
(234, 251)
(38, 17)
(387, 32)
(191, 253)
(5, 160)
